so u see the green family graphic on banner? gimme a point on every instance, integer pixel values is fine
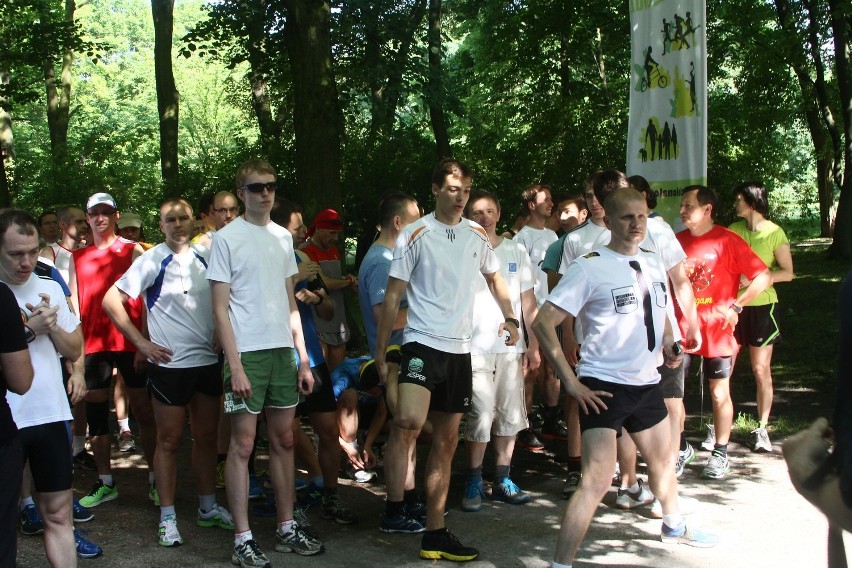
(667, 132)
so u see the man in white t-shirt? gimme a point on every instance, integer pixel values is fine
(42, 413)
(183, 371)
(260, 330)
(436, 260)
(619, 295)
(498, 410)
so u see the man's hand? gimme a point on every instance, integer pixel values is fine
(307, 297)
(76, 388)
(806, 451)
(240, 385)
(42, 318)
(381, 369)
(587, 398)
(692, 342)
(731, 319)
(157, 354)
(672, 361)
(532, 359)
(353, 452)
(571, 349)
(305, 379)
(307, 269)
(509, 327)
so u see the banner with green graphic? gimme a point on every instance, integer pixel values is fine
(667, 132)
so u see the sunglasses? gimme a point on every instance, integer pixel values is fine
(259, 187)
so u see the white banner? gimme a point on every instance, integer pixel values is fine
(667, 132)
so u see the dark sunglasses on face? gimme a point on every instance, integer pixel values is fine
(259, 187)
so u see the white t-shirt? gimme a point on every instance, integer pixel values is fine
(177, 297)
(517, 272)
(580, 241)
(255, 261)
(440, 263)
(62, 259)
(600, 289)
(46, 401)
(536, 241)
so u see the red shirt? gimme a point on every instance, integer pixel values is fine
(97, 270)
(714, 262)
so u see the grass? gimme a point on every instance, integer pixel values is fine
(804, 364)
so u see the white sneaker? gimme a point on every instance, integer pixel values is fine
(710, 441)
(686, 506)
(761, 440)
(628, 500)
(169, 535)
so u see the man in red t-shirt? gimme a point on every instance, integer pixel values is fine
(94, 270)
(716, 259)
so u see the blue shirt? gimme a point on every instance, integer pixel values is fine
(309, 329)
(372, 283)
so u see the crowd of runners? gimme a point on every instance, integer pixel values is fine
(578, 324)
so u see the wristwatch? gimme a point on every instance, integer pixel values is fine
(29, 333)
(736, 308)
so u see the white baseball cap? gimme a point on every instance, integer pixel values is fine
(100, 199)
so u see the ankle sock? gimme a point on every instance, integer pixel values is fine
(721, 450)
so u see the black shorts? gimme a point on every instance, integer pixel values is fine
(11, 472)
(448, 376)
(635, 408)
(99, 367)
(758, 326)
(716, 367)
(672, 380)
(176, 387)
(321, 398)
(47, 447)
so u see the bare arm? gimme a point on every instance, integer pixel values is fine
(785, 265)
(682, 288)
(760, 283)
(529, 306)
(17, 370)
(500, 293)
(114, 305)
(400, 320)
(221, 296)
(72, 285)
(305, 378)
(385, 323)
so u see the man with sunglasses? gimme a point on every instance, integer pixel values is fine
(259, 328)
(225, 209)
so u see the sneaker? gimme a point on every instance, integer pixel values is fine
(220, 475)
(301, 517)
(417, 509)
(616, 476)
(717, 466)
(169, 535)
(153, 494)
(571, 483)
(81, 514)
(473, 493)
(402, 524)
(761, 441)
(527, 439)
(554, 430)
(31, 522)
(85, 460)
(333, 507)
(710, 441)
(249, 555)
(446, 545)
(508, 492)
(297, 540)
(685, 535)
(218, 516)
(686, 506)
(627, 500)
(311, 495)
(100, 493)
(266, 509)
(255, 488)
(684, 458)
(360, 475)
(125, 441)
(85, 547)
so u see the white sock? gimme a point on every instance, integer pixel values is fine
(241, 537)
(78, 444)
(166, 511)
(284, 527)
(206, 502)
(107, 479)
(558, 565)
(634, 488)
(27, 501)
(124, 425)
(150, 477)
(673, 521)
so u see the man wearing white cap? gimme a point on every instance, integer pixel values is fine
(96, 268)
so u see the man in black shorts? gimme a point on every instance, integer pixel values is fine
(42, 414)
(619, 294)
(435, 260)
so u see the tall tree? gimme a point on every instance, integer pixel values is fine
(59, 96)
(317, 119)
(841, 23)
(168, 98)
(435, 90)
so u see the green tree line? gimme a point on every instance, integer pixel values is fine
(350, 99)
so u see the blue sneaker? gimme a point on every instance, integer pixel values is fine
(81, 514)
(31, 523)
(86, 548)
(255, 488)
(473, 494)
(401, 523)
(505, 490)
(684, 535)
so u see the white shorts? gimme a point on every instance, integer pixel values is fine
(498, 397)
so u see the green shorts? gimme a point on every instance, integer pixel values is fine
(272, 374)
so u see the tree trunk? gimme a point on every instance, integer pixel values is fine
(59, 99)
(7, 148)
(317, 119)
(435, 92)
(841, 247)
(168, 98)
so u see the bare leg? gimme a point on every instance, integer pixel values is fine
(204, 413)
(243, 427)
(723, 409)
(445, 437)
(55, 509)
(411, 411)
(170, 421)
(143, 412)
(281, 471)
(761, 366)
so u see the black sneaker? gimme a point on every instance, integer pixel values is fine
(528, 439)
(554, 430)
(445, 545)
(85, 460)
